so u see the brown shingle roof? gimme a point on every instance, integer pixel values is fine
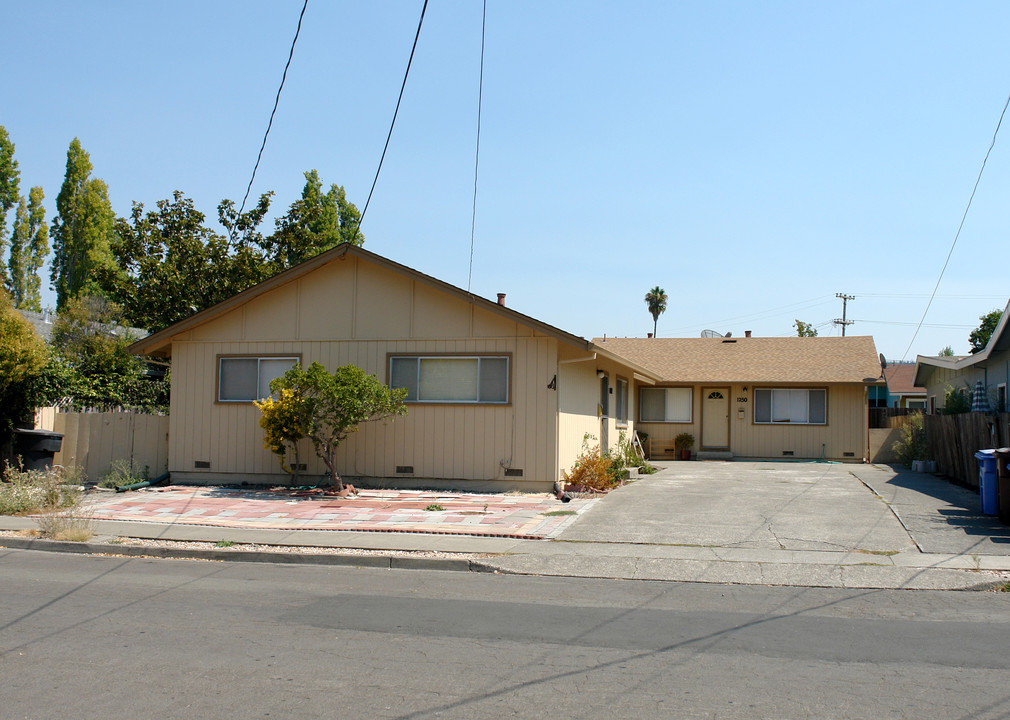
(901, 380)
(752, 360)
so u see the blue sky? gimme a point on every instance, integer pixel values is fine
(753, 159)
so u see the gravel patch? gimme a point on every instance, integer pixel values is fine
(255, 547)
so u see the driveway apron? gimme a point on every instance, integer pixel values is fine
(766, 505)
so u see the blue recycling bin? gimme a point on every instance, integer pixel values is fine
(987, 481)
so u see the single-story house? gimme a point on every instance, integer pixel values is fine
(991, 365)
(495, 398)
(900, 390)
(754, 397)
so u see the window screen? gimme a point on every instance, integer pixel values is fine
(665, 404)
(244, 379)
(790, 405)
(622, 401)
(451, 379)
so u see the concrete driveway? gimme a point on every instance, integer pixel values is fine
(760, 505)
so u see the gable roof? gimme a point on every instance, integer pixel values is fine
(901, 380)
(998, 342)
(753, 360)
(160, 343)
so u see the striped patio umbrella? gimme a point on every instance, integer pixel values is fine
(979, 403)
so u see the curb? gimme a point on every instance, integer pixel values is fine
(392, 562)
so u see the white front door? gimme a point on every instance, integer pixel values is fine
(715, 418)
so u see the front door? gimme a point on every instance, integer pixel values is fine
(715, 418)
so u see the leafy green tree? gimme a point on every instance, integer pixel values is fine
(979, 337)
(90, 341)
(804, 329)
(23, 358)
(946, 352)
(656, 299)
(82, 230)
(169, 264)
(9, 193)
(326, 408)
(247, 261)
(313, 224)
(29, 247)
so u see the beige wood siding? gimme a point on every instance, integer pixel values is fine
(578, 395)
(578, 414)
(388, 313)
(845, 432)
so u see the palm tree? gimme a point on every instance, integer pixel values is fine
(656, 300)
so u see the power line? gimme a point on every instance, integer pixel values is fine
(958, 233)
(910, 324)
(476, 157)
(926, 295)
(410, 60)
(277, 100)
(771, 312)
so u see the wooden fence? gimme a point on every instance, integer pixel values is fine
(954, 439)
(95, 440)
(890, 417)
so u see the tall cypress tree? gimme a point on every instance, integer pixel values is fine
(9, 194)
(82, 229)
(29, 247)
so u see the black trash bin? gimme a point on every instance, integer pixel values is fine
(37, 447)
(1003, 484)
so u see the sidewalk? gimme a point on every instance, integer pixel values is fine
(517, 533)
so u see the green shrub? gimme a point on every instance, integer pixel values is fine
(592, 470)
(912, 445)
(122, 473)
(29, 491)
(955, 402)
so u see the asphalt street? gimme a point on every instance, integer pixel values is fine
(112, 637)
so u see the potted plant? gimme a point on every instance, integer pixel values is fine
(683, 444)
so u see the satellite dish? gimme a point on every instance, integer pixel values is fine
(710, 334)
(883, 362)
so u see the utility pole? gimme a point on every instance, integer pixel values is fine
(843, 322)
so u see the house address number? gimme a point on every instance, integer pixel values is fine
(741, 399)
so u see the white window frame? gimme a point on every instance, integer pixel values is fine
(295, 360)
(478, 358)
(667, 390)
(771, 406)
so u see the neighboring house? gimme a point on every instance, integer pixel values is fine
(756, 397)
(991, 365)
(901, 390)
(43, 324)
(495, 398)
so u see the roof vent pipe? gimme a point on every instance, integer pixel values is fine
(746, 333)
(650, 335)
(501, 299)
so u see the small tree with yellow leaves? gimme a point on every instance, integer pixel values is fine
(326, 408)
(282, 428)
